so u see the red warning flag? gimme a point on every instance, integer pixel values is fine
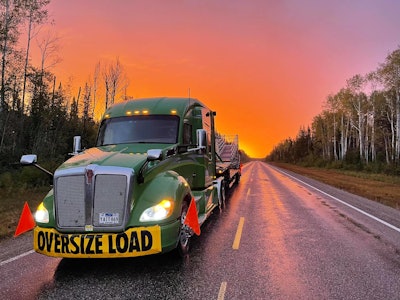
(26, 221)
(192, 219)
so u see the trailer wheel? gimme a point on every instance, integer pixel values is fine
(222, 195)
(237, 178)
(184, 233)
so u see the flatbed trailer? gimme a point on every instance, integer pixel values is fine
(228, 159)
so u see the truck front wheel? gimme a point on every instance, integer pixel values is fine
(184, 232)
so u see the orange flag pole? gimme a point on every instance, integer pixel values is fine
(26, 221)
(192, 219)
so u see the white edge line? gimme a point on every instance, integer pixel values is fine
(343, 202)
(16, 257)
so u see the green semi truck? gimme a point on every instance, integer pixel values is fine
(156, 162)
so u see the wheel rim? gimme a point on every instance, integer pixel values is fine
(223, 194)
(184, 234)
(185, 231)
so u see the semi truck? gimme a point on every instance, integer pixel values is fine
(157, 162)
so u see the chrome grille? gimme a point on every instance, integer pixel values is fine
(109, 202)
(95, 198)
(70, 201)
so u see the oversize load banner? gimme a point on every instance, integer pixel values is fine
(133, 242)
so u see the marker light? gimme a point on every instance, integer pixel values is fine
(145, 112)
(128, 113)
(136, 112)
(173, 112)
(157, 212)
(41, 214)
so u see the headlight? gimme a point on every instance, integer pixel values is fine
(157, 212)
(41, 214)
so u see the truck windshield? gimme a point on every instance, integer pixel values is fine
(139, 129)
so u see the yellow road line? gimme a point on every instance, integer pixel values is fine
(247, 195)
(222, 289)
(238, 235)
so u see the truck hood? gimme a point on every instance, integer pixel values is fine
(113, 155)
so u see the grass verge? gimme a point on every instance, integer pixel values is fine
(378, 187)
(11, 205)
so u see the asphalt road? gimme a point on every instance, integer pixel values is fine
(279, 237)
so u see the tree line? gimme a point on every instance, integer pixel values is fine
(39, 114)
(359, 126)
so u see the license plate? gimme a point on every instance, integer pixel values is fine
(109, 218)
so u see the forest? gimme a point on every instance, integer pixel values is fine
(38, 113)
(358, 128)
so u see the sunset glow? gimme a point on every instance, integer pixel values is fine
(265, 67)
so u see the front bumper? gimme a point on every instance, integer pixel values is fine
(137, 241)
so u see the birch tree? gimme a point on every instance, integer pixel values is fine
(389, 72)
(333, 108)
(343, 97)
(374, 100)
(322, 133)
(355, 85)
(363, 118)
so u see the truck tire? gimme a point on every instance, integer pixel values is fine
(184, 233)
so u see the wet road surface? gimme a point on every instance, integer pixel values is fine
(278, 237)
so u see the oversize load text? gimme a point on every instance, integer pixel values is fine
(134, 242)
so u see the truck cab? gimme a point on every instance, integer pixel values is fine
(130, 194)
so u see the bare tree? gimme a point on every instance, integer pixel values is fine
(115, 81)
(36, 14)
(95, 87)
(86, 105)
(49, 48)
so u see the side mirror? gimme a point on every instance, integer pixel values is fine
(28, 159)
(201, 139)
(77, 147)
(31, 160)
(154, 154)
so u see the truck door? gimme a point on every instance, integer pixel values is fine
(209, 157)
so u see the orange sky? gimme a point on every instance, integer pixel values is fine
(266, 67)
